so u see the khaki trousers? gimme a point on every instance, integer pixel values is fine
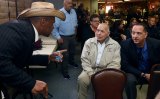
(84, 81)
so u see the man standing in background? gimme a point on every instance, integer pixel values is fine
(65, 32)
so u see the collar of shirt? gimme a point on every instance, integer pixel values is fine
(144, 48)
(36, 33)
(106, 40)
(66, 12)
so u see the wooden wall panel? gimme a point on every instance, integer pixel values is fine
(8, 9)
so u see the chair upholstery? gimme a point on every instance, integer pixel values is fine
(154, 84)
(108, 84)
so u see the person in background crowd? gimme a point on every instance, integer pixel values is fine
(17, 43)
(110, 23)
(65, 33)
(157, 6)
(128, 29)
(133, 12)
(102, 13)
(158, 22)
(111, 13)
(82, 16)
(98, 53)
(118, 32)
(81, 21)
(152, 29)
(90, 29)
(138, 55)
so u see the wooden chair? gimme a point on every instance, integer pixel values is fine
(108, 84)
(154, 84)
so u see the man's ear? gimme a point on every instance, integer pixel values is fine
(146, 34)
(90, 22)
(108, 33)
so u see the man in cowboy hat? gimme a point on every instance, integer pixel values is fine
(16, 42)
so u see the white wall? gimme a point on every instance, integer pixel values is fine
(94, 6)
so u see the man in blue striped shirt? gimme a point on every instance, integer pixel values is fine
(65, 32)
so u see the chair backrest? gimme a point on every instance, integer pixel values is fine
(154, 84)
(109, 84)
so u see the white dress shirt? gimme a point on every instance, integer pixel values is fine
(100, 52)
(36, 33)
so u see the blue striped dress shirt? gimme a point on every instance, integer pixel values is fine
(67, 27)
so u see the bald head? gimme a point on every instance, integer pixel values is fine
(102, 32)
(65, 1)
(106, 26)
(67, 4)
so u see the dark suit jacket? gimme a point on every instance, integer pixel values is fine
(16, 47)
(129, 57)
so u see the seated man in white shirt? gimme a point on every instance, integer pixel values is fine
(98, 53)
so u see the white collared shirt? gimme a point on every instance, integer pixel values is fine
(36, 33)
(100, 52)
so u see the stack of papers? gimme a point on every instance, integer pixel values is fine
(49, 45)
(48, 40)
